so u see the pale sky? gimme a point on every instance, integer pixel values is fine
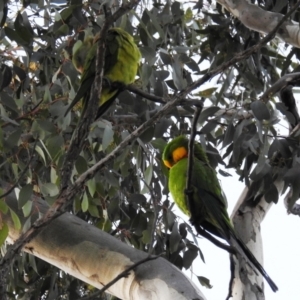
(281, 248)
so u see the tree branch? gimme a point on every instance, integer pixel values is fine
(64, 199)
(279, 85)
(188, 189)
(243, 54)
(258, 19)
(22, 173)
(127, 272)
(67, 194)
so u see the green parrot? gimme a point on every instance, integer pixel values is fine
(121, 62)
(209, 204)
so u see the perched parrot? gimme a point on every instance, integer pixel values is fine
(209, 205)
(121, 63)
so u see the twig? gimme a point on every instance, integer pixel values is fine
(126, 272)
(243, 54)
(120, 86)
(121, 275)
(231, 278)
(188, 189)
(22, 173)
(279, 84)
(90, 113)
(133, 88)
(67, 194)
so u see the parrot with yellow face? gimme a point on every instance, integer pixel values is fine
(121, 62)
(208, 202)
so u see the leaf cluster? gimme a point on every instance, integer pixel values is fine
(129, 197)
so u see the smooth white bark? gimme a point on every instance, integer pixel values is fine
(96, 257)
(247, 221)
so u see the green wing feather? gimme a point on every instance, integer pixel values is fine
(121, 63)
(209, 204)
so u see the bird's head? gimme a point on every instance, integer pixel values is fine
(175, 150)
(80, 51)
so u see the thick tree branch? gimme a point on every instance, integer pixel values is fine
(126, 272)
(288, 79)
(258, 19)
(94, 256)
(67, 194)
(243, 54)
(61, 203)
(90, 113)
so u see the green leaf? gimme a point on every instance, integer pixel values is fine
(206, 113)
(260, 110)
(189, 256)
(228, 137)
(148, 174)
(93, 210)
(159, 144)
(25, 195)
(62, 30)
(81, 165)
(175, 238)
(149, 54)
(53, 175)
(107, 137)
(32, 262)
(39, 150)
(188, 16)
(49, 189)
(55, 146)
(207, 93)
(27, 224)
(3, 233)
(27, 209)
(91, 184)
(3, 205)
(165, 57)
(85, 203)
(14, 36)
(23, 28)
(15, 219)
(204, 281)
(146, 236)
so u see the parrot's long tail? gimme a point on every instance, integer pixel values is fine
(254, 261)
